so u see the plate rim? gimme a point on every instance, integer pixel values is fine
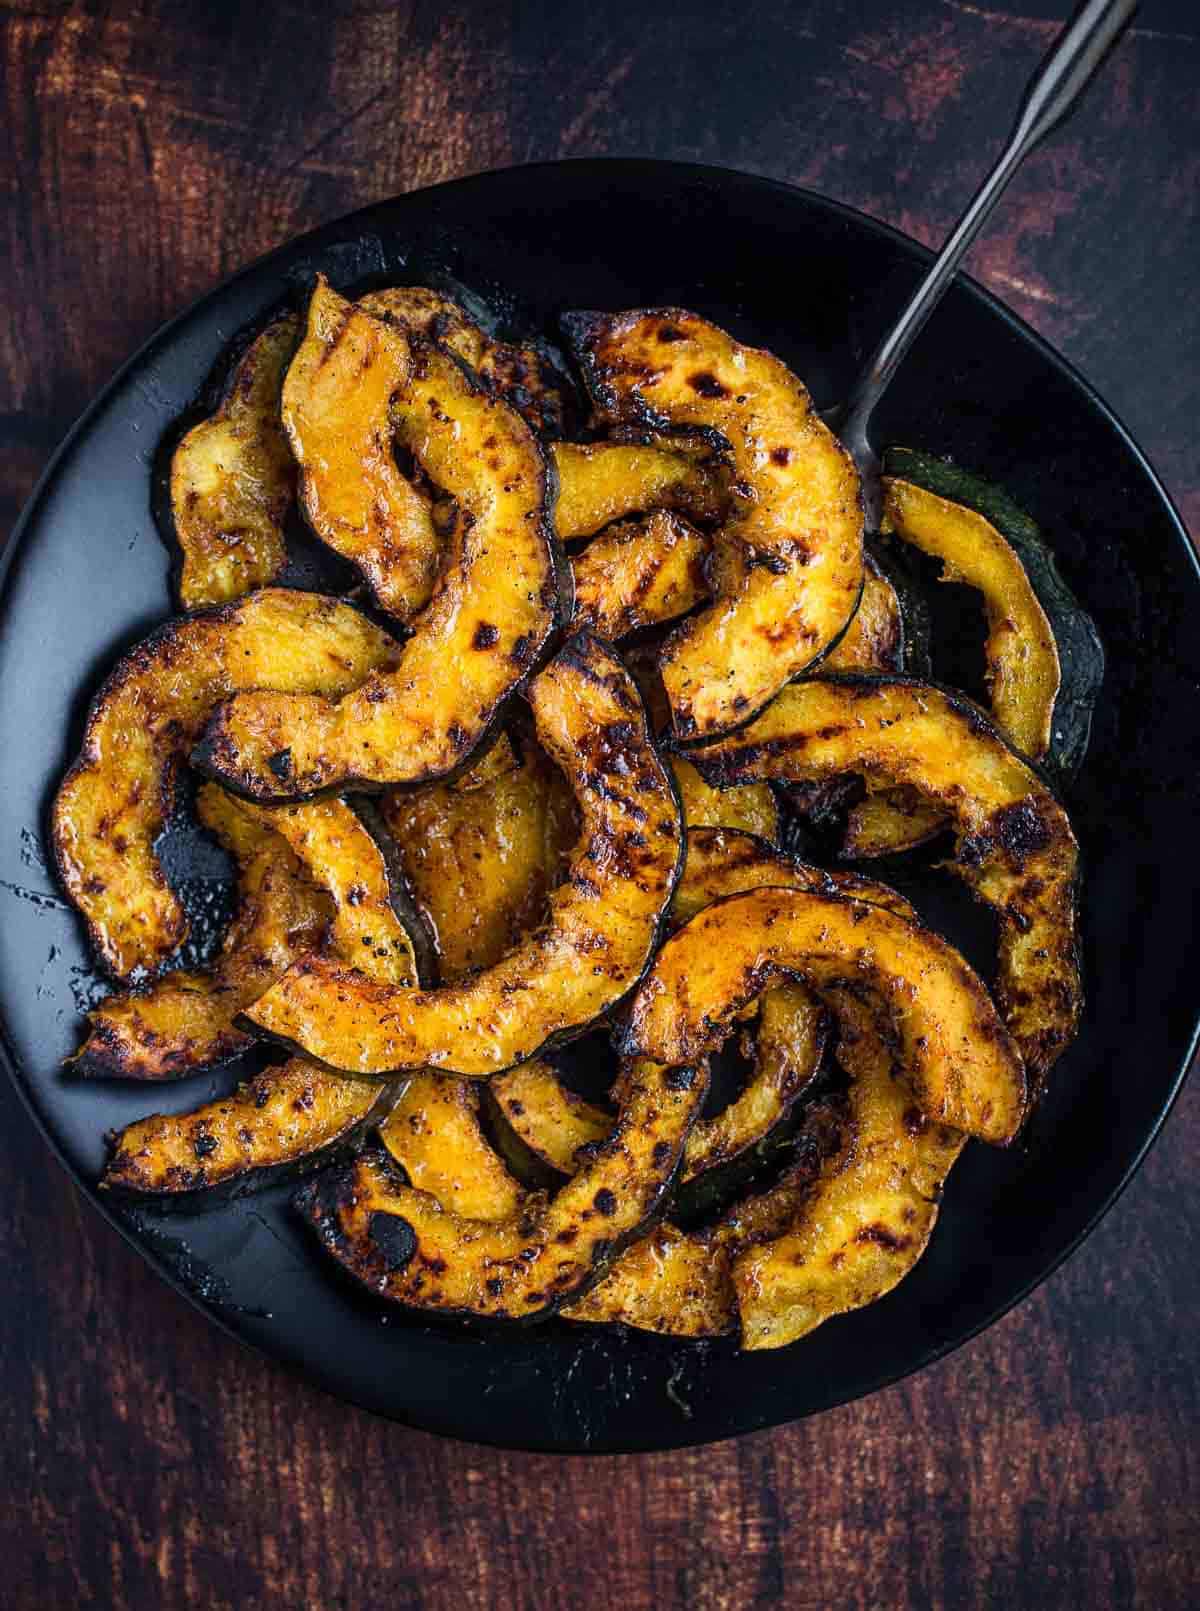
(357, 222)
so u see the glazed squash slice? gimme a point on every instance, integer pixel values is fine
(602, 482)
(285, 1119)
(184, 1020)
(115, 800)
(492, 613)
(553, 1123)
(337, 415)
(233, 480)
(795, 534)
(964, 1068)
(597, 940)
(1014, 845)
(640, 573)
(405, 1246)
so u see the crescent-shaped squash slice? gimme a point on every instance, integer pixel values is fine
(1014, 845)
(964, 1068)
(492, 613)
(114, 801)
(434, 1134)
(337, 415)
(599, 482)
(676, 1283)
(788, 1040)
(480, 854)
(523, 376)
(796, 525)
(285, 1120)
(405, 1246)
(752, 809)
(184, 1021)
(866, 1220)
(598, 938)
(233, 480)
(874, 640)
(638, 574)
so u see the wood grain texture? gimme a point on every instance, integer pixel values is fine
(145, 1459)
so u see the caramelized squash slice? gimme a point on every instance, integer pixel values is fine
(599, 482)
(481, 854)
(433, 1133)
(114, 801)
(874, 640)
(964, 1068)
(866, 1220)
(405, 1246)
(547, 1116)
(233, 480)
(638, 574)
(524, 377)
(492, 614)
(1014, 845)
(796, 526)
(337, 415)
(603, 919)
(751, 809)
(285, 1120)
(672, 1282)
(185, 1020)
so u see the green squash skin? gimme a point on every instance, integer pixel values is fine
(1080, 652)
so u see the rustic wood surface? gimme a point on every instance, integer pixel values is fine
(145, 1460)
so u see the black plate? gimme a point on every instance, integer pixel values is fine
(87, 574)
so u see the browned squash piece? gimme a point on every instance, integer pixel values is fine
(523, 376)
(547, 1116)
(233, 479)
(671, 1282)
(1022, 658)
(114, 801)
(638, 574)
(185, 1020)
(865, 1221)
(964, 1068)
(433, 1133)
(874, 640)
(749, 810)
(599, 482)
(405, 1246)
(286, 1119)
(797, 519)
(336, 412)
(1014, 845)
(491, 615)
(340, 855)
(482, 854)
(598, 938)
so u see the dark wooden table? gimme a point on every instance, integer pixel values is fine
(145, 1461)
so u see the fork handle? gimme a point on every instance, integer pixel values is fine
(1052, 93)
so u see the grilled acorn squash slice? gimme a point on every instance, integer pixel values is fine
(749, 810)
(603, 920)
(523, 376)
(796, 528)
(481, 853)
(964, 1068)
(867, 1218)
(433, 1132)
(285, 1119)
(492, 614)
(233, 480)
(336, 412)
(185, 1020)
(599, 482)
(1015, 848)
(405, 1246)
(547, 1116)
(309, 875)
(638, 574)
(115, 799)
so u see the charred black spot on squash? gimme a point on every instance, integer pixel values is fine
(394, 1237)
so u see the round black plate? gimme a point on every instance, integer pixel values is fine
(88, 574)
